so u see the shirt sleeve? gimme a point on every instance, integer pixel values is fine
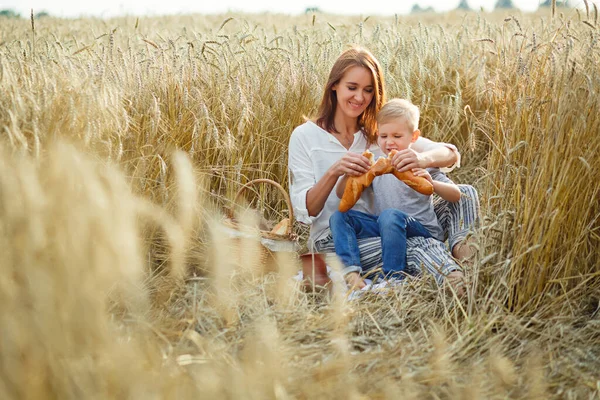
(301, 177)
(423, 144)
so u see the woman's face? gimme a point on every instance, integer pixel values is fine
(354, 92)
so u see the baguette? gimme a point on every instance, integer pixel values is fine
(417, 183)
(356, 184)
(282, 227)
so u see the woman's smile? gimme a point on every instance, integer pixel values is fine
(354, 92)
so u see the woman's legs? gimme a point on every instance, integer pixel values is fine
(457, 219)
(423, 255)
(314, 272)
(431, 256)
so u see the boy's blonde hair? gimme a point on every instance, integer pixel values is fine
(399, 108)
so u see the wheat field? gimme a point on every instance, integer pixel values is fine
(125, 140)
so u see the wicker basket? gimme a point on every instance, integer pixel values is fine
(270, 241)
(314, 269)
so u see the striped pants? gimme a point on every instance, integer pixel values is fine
(426, 255)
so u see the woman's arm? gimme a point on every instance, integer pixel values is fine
(425, 153)
(350, 164)
(318, 194)
(308, 195)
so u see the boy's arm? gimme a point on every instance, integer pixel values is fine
(447, 191)
(442, 186)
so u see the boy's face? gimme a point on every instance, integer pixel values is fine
(395, 135)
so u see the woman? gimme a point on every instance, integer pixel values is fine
(322, 151)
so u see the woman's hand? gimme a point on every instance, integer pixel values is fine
(408, 159)
(352, 164)
(423, 173)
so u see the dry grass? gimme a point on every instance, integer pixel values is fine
(117, 280)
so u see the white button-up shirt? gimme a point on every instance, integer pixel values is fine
(312, 151)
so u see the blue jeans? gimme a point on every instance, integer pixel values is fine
(393, 226)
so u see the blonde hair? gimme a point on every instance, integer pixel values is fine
(400, 108)
(355, 56)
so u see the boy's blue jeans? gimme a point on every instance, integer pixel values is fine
(393, 226)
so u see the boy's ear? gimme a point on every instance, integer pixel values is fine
(416, 135)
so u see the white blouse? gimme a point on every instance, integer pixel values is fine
(312, 151)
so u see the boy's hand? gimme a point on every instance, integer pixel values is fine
(408, 159)
(355, 281)
(423, 173)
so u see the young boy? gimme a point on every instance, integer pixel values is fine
(400, 211)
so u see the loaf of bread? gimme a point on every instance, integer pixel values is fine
(282, 227)
(417, 183)
(356, 184)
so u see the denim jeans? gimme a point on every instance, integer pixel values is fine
(393, 226)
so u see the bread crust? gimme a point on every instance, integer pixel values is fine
(356, 184)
